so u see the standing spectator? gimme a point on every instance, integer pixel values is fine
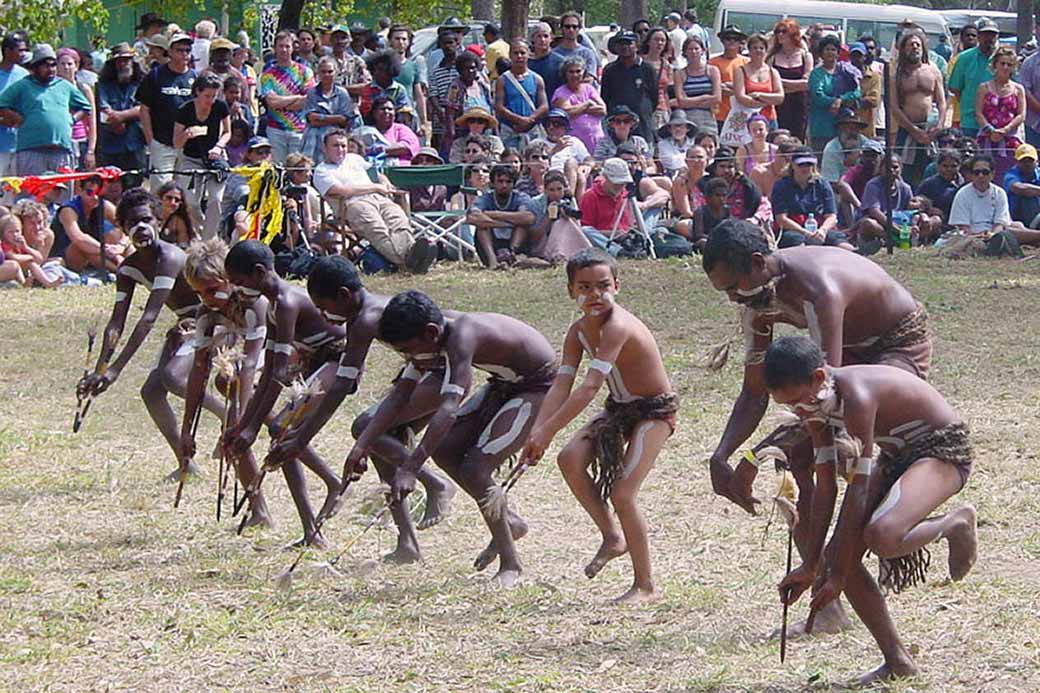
(1000, 111)
(305, 53)
(158, 52)
(568, 45)
(944, 48)
(581, 102)
(497, 48)
(1028, 76)
(917, 101)
(162, 93)
(240, 61)
(656, 50)
(328, 107)
(360, 34)
(351, 73)
(833, 85)
(205, 30)
(43, 108)
(967, 38)
(698, 88)
(121, 140)
(150, 26)
(11, 71)
(1022, 184)
(630, 82)
(693, 27)
(201, 132)
(442, 76)
(84, 130)
(545, 61)
(413, 75)
(757, 84)
(520, 100)
(802, 194)
(674, 33)
(972, 68)
(283, 87)
(869, 86)
(874, 64)
(794, 63)
(238, 106)
(733, 40)
(220, 50)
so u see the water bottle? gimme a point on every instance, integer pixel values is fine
(810, 225)
(904, 235)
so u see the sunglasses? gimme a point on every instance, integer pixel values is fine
(981, 171)
(540, 157)
(571, 26)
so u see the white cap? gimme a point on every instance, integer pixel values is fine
(616, 171)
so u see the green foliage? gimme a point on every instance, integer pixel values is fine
(45, 20)
(421, 13)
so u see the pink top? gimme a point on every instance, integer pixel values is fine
(402, 134)
(998, 112)
(586, 127)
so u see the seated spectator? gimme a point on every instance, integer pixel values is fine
(759, 151)
(536, 165)
(709, 214)
(476, 182)
(765, 176)
(708, 140)
(686, 190)
(301, 197)
(566, 152)
(652, 196)
(475, 121)
(581, 101)
(802, 197)
(470, 90)
(501, 217)
(385, 136)
(238, 144)
(982, 207)
(674, 139)
(840, 151)
(428, 198)
(1022, 184)
(884, 192)
(367, 206)
(178, 227)
(520, 99)
(849, 190)
(327, 107)
(27, 270)
(85, 235)
(943, 186)
(620, 122)
(556, 234)
(35, 229)
(236, 191)
(605, 213)
(744, 199)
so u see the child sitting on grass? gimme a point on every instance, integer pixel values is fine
(20, 262)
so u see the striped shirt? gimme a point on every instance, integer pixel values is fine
(441, 79)
(293, 80)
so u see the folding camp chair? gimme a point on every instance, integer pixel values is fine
(443, 227)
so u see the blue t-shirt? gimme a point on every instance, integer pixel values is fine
(791, 199)
(548, 66)
(940, 191)
(518, 201)
(583, 52)
(875, 196)
(46, 111)
(1023, 209)
(8, 136)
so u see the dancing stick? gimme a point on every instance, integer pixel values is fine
(183, 476)
(786, 502)
(783, 618)
(80, 412)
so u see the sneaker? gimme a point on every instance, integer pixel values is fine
(422, 255)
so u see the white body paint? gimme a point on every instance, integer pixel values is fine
(493, 447)
(888, 503)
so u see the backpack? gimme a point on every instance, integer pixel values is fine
(668, 244)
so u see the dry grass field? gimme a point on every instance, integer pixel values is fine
(103, 586)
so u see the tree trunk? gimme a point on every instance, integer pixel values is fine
(484, 10)
(631, 10)
(1024, 25)
(289, 15)
(514, 19)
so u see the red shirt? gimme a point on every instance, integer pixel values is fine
(599, 210)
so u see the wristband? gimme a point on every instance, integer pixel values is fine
(751, 458)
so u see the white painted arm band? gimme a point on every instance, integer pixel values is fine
(120, 296)
(826, 455)
(163, 283)
(602, 366)
(452, 389)
(253, 334)
(567, 370)
(348, 372)
(411, 373)
(279, 348)
(863, 466)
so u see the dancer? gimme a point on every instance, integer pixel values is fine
(925, 458)
(157, 266)
(851, 307)
(640, 410)
(294, 324)
(470, 441)
(336, 289)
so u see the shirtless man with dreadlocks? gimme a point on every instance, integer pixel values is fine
(915, 86)
(925, 458)
(852, 308)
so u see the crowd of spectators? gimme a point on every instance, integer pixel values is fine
(562, 145)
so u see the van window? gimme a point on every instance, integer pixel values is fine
(750, 22)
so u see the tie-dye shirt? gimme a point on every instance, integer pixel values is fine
(293, 80)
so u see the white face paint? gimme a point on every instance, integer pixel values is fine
(246, 291)
(142, 236)
(333, 318)
(607, 298)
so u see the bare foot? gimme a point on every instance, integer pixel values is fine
(259, 518)
(506, 578)
(490, 553)
(333, 503)
(639, 595)
(963, 541)
(438, 503)
(317, 542)
(608, 551)
(831, 619)
(175, 475)
(403, 555)
(885, 672)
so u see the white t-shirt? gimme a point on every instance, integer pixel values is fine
(575, 150)
(980, 211)
(352, 171)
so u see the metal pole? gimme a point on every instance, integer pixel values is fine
(890, 136)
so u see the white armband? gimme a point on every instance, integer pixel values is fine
(567, 370)
(120, 296)
(863, 466)
(279, 348)
(826, 455)
(252, 335)
(348, 372)
(452, 389)
(163, 283)
(410, 372)
(602, 366)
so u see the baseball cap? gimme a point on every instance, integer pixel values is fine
(179, 37)
(41, 52)
(218, 43)
(987, 24)
(257, 142)
(804, 158)
(873, 146)
(341, 29)
(558, 114)
(1025, 151)
(858, 47)
(616, 171)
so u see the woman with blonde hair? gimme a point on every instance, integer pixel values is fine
(793, 63)
(756, 84)
(84, 131)
(1000, 111)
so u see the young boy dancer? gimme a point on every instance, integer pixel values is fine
(335, 288)
(470, 441)
(294, 324)
(925, 458)
(157, 266)
(640, 410)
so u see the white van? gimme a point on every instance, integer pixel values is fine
(851, 19)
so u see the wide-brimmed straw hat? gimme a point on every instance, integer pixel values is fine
(476, 112)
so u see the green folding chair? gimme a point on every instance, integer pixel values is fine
(442, 227)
